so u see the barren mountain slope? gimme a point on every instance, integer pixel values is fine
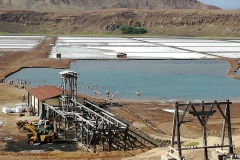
(208, 23)
(90, 5)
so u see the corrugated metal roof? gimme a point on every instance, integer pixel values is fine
(45, 92)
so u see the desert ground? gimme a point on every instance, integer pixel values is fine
(147, 116)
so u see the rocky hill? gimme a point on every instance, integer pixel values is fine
(208, 23)
(77, 17)
(90, 5)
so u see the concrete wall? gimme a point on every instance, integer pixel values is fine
(36, 104)
(53, 101)
(33, 102)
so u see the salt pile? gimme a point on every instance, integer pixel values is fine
(171, 110)
(6, 110)
(17, 109)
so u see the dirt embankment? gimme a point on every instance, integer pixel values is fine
(207, 23)
(12, 62)
(234, 67)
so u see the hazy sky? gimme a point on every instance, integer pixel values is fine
(224, 4)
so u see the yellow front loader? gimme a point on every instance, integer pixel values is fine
(37, 136)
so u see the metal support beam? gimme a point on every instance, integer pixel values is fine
(97, 114)
(86, 101)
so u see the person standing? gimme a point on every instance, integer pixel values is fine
(107, 94)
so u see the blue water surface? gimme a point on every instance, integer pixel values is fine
(154, 79)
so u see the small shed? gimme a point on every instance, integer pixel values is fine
(58, 55)
(47, 94)
(121, 55)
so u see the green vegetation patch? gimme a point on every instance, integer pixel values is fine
(4, 33)
(192, 144)
(132, 30)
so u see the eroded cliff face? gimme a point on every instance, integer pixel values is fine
(93, 5)
(167, 23)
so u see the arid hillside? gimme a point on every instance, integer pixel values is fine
(92, 5)
(78, 17)
(176, 22)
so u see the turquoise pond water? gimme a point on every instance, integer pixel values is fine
(154, 79)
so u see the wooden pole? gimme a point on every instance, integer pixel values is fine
(204, 132)
(174, 127)
(178, 131)
(229, 127)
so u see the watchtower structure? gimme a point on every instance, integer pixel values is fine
(69, 89)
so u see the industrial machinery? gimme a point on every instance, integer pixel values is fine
(38, 135)
(39, 132)
(21, 123)
(43, 124)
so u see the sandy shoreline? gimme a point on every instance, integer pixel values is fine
(172, 102)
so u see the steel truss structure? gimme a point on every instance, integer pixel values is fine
(96, 128)
(92, 128)
(202, 111)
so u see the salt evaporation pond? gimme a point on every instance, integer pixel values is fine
(161, 80)
(154, 79)
(142, 48)
(19, 43)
